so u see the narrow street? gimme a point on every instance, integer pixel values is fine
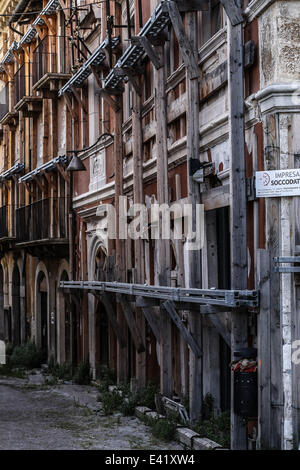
(36, 416)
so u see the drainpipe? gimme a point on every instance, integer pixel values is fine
(16, 14)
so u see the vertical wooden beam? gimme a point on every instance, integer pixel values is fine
(163, 265)
(238, 229)
(194, 256)
(138, 198)
(120, 273)
(264, 351)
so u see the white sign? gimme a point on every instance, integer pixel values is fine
(277, 183)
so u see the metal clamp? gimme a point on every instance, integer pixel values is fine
(286, 269)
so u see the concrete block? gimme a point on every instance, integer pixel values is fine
(153, 415)
(203, 443)
(185, 436)
(141, 410)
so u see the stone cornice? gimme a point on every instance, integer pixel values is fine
(256, 8)
(280, 98)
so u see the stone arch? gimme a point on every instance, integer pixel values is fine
(42, 309)
(96, 245)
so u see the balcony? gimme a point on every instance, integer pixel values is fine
(7, 223)
(43, 226)
(24, 100)
(6, 116)
(4, 101)
(48, 68)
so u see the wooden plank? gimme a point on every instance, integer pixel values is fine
(131, 77)
(104, 298)
(216, 198)
(149, 49)
(238, 227)
(108, 99)
(162, 268)
(70, 107)
(264, 351)
(79, 100)
(170, 308)
(187, 51)
(139, 251)
(192, 5)
(233, 11)
(219, 325)
(50, 23)
(194, 255)
(273, 229)
(136, 336)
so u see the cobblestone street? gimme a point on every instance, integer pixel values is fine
(35, 416)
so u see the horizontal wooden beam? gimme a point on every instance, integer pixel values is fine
(170, 308)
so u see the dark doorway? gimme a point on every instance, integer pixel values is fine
(224, 282)
(102, 331)
(2, 326)
(43, 313)
(66, 323)
(16, 308)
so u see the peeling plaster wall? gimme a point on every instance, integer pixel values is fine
(279, 39)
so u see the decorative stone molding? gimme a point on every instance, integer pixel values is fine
(280, 98)
(256, 8)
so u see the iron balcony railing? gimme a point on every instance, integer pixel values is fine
(7, 221)
(4, 101)
(20, 82)
(46, 61)
(45, 219)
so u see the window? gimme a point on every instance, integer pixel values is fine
(211, 21)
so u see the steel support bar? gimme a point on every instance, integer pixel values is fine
(227, 298)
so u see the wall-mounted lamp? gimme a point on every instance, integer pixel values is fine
(76, 162)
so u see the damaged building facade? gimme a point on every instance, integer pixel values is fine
(124, 103)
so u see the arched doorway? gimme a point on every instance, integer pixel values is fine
(102, 326)
(42, 313)
(16, 307)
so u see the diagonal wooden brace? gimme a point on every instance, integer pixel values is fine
(149, 49)
(104, 298)
(128, 314)
(186, 49)
(170, 308)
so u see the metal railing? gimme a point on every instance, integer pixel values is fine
(4, 101)
(20, 82)
(7, 221)
(45, 219)
(43, 60)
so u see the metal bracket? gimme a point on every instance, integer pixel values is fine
(172, 405)
(286, 269)
(251, 188)
(203, 171)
